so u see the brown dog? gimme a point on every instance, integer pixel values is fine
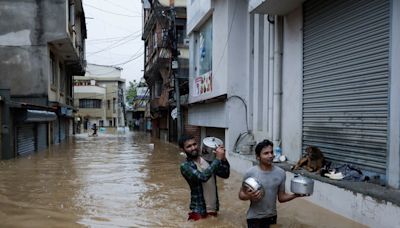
(313, 160)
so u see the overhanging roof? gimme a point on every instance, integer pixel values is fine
(274, 7)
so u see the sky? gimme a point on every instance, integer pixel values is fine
(114, 29)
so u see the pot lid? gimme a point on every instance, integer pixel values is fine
(302, 179)
(212, 142)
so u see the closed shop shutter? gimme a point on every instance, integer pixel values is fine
(62, 129)
(41, 136)
(25, 139)
(345, 84)
(56, 131)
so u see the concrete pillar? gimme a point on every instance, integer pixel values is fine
(6, 145)
(393, 156)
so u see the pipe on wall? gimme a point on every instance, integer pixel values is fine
(270, 102)
(277, 81)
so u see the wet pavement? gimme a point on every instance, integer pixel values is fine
(123, 180)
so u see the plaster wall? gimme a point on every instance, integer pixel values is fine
(292, 85)
(26, 27)
(208, 115)
(355, 206)
(197, 13)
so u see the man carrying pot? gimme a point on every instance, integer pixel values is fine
(262, 211)
(201, 177)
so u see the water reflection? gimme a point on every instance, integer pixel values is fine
(122, 180)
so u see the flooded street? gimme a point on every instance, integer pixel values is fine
(125, 180)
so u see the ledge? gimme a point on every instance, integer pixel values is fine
(376, 191)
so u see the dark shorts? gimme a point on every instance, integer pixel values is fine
(194, 216)
(262, 222)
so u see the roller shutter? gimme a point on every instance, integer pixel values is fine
(62, 129)
(56, 131)
(41, 136)
(25, 139)
(345, 84)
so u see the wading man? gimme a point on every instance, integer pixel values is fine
(262, 211)
(201, 177)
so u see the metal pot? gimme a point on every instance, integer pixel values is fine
(302, 185)
(210, 144)
(253, 184)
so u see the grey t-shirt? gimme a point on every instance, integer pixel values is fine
(272, 182)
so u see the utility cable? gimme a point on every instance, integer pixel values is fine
(105, 11)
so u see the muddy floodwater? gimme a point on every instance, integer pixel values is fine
(123, 180)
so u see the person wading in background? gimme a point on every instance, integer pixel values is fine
(94, 128)
(201, 177)
(262, 211)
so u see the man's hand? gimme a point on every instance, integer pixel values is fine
(220, 153)
(253, 195)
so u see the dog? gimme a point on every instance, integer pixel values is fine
(312, 161)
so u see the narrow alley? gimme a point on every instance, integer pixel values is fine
(122, 180)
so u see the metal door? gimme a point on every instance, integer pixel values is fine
(41, 136)
(345, 84)
(25, 139)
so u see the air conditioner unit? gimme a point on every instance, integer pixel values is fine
(186, 42)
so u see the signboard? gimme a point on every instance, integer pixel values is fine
(202, 84)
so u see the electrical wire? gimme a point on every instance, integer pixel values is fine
(129, 60)
(111, 39)
(105, 11)
(114, 45)
(119, 6)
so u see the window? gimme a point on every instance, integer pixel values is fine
(203, 51)
(114, 105)
(89, 103)
(53, 66)
(108, 104)
(62, 78)
(181, 31)
(157, 89)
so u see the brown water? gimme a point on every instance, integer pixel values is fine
(123, 180)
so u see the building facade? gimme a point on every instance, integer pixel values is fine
(42, 44)
(140, 118)
(301, 73)
(99, 97)
(164, 35)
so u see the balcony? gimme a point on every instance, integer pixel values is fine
(274, 7)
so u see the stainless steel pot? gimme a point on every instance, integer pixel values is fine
(302, 185)
(210, 144)
(253, 184)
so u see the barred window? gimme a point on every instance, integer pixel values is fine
(89, 103)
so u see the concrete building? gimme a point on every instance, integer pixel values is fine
(42, 44)
(302, 73)
(140, 118)
(99, 97)
(161, 18)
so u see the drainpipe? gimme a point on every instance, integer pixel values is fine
(277, 80)
(271, 43)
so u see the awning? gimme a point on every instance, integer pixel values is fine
(38, 116)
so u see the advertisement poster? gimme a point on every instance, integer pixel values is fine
(202, 84)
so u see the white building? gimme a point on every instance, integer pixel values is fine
(313, 72)
(100, 97)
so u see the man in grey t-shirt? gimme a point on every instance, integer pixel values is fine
(262, 210)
